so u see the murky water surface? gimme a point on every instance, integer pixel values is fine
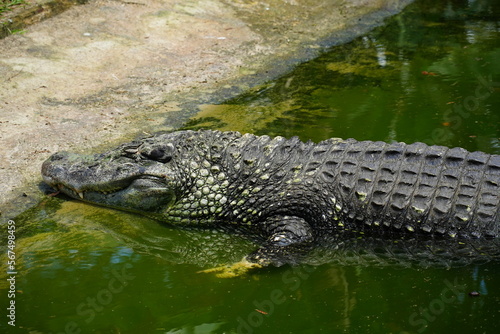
(431, 74)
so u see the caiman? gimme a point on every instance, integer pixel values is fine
(292, 194)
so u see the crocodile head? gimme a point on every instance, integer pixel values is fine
(140, 176)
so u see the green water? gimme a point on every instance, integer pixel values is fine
(431, 74)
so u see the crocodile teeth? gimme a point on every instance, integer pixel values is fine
(80, 193)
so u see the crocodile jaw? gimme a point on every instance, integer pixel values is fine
(132, 187)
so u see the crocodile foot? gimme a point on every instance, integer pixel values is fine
(232, 270)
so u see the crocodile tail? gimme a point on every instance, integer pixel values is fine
(416, 187)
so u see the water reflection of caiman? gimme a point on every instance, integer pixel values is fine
(430, 202)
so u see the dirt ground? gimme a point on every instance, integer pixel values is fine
(107, 71)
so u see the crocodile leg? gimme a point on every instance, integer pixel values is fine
(289, 237)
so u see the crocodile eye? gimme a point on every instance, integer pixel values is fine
(161, 153)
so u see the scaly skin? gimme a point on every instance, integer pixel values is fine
(292, 193)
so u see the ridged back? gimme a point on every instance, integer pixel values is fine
(416, 187)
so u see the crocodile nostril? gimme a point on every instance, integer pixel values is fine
(50, 166)
(58, 156)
